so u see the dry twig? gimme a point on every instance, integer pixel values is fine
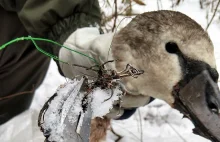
(141, 128)
(116, 134)
(213, 15)
(183, 139)
(134, 136)
(17, 94)
(116, 15)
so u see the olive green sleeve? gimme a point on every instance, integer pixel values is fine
(39, 16)
(57, 19)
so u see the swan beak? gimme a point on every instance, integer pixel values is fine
(199, 100)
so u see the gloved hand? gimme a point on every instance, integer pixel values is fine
(87, 41)
(90, 42)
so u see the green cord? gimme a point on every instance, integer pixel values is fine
(44, 52)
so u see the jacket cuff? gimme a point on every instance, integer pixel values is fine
(65, 27)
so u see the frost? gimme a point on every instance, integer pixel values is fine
(53, 120)
(66, 108)
(103, 100)
(76, 109)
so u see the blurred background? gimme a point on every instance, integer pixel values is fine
(156, 122)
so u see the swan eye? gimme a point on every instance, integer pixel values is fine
(171, 47)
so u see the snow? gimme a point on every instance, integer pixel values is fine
(100, 107)
(164, 124)
(65, 108)
(160, 123)
(52, 122)
(75, 87)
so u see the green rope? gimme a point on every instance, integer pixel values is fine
(44, 52)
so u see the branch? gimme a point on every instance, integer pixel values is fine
(116, 15)
(134, 136)
(119, 136)
(180, 136)
(141, 127)
(213, 15)
(17, 94)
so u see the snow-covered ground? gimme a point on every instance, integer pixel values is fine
(156, 122)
